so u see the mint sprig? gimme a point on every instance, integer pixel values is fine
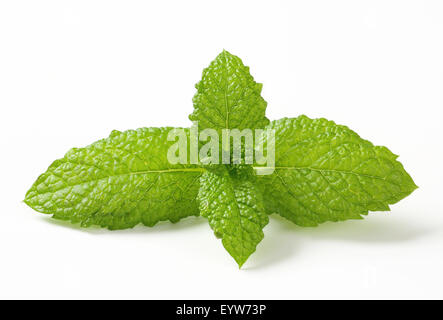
(322, 172)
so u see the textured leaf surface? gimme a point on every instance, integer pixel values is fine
(228, 97)
(118, 182)
(326, 172)
(234, 208)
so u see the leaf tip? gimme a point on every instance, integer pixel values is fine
(240, 259)
(226, 53)
(240, 263)
(27, 200)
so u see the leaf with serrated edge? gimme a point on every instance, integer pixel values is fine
(228, 97)
(234, 208)
(118, 182)
(326, 172)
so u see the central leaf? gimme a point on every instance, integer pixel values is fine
(234, 208)
(228, 97)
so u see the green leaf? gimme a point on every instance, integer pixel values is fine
(234, 208)
(118, 182)
(326, 172)
(228, 97)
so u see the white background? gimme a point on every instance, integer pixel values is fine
(71, 71)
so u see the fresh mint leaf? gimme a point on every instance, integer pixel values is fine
(322, 171)
(118, 183)
(326, 172)
(228, 97)
(234, 208)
